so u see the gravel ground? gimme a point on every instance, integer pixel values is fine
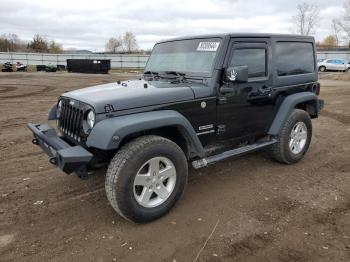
(247, 209)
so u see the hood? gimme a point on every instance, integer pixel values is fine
(133, 94)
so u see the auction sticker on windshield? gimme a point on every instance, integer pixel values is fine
(208, 46)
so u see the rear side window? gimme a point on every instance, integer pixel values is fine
(338, 61)
(254, 58)
(294, 58)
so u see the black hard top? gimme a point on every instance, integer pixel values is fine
(244, 35)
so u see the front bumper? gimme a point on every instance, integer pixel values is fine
(68, 158)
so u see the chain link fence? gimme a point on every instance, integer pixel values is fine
(117, 60)
(345, 55)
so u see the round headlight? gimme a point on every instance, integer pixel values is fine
(59, 109)
(91, 119)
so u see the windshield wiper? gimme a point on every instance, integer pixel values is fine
(174, 76)
(174, 73)
(151, 75)
(181, 77)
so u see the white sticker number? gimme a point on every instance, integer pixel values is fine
(208, 46)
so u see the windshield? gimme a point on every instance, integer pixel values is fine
(195, 56)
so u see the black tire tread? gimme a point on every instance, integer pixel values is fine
(277, 150)
(117, 163)
(325, 69)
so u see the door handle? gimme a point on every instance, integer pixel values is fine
(226, 90)
(265, 90)
(260, 93)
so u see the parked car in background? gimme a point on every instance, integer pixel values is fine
(333, 65)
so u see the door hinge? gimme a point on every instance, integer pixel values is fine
(221, 129)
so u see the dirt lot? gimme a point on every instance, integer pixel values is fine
(248, 209)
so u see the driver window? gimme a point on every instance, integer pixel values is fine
(254, 58)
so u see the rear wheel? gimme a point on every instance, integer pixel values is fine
(146, 178)
(322, 68)
(294, 138)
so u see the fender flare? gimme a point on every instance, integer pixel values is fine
(287, 106)
(103, 135)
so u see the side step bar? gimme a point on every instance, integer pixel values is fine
(231, 153)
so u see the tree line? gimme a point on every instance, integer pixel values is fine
(126, 43)
(39, 44)
(307, 18)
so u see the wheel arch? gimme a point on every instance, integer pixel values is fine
(307, 101)
(112, 133)
(310, 107)
(174, 133)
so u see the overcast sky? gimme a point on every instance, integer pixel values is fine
(85, 24)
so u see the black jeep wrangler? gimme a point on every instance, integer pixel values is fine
(201, 99)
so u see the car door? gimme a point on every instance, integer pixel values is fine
(340, 64)
(245, 109)
(330, 64)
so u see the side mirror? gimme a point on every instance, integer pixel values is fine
(237, 74)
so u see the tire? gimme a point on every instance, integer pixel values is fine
(322, 68)
(284, 150)
(129, 162)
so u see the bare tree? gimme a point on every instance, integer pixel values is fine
(330, 41)
(336, 31)
(130, 43)
(344, 24)
(55, 47)
(114, 44)
(306, 18)
(11, 43)
(39, 44)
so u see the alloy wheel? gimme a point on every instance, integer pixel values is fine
(154, 182)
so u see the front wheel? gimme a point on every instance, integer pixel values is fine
(146, 178)
(294, 138)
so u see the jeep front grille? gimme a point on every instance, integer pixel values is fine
(70, 121)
